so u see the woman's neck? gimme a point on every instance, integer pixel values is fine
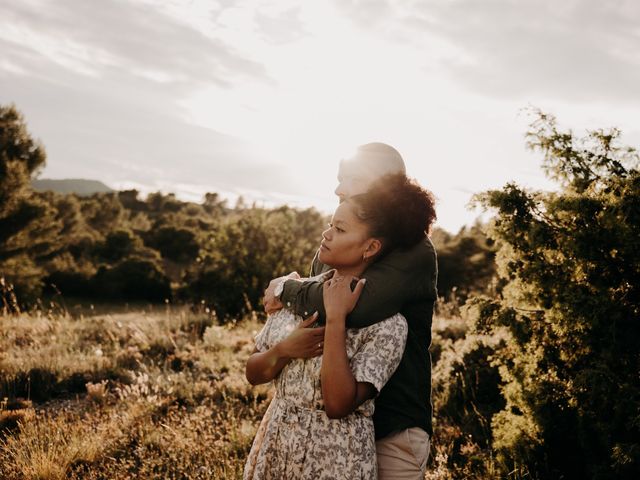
(355, 271)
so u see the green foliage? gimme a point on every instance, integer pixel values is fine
(571, 303)
(132, 279)
(177, 244)
(248, 250)
(25, 221)
(465, 386)
(20, 158)
(103, 212)
(466, 263)
(118, 245)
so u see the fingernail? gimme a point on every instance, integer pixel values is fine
(315, 314)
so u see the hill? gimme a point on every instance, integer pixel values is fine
(79, 186)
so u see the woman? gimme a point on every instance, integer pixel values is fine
(319, 424)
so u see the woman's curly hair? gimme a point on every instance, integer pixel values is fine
(397, 210)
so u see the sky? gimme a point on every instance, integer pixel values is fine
(262, 98)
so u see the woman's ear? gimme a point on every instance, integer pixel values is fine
(374, 246)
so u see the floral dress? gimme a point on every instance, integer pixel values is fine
(296, 439)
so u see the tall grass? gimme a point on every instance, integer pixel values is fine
(160, 393)
(147, 394)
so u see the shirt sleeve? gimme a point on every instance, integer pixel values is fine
(305, 297)
(381, 352)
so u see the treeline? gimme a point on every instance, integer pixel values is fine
(115, 247)
(119, 247)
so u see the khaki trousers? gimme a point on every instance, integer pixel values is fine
(403, 455)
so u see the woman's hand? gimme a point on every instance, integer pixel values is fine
(303, 341)
(338, 298)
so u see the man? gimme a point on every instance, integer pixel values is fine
(403, 281)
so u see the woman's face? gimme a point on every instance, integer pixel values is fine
(346, 239)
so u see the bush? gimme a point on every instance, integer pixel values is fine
(466, 393)
(571, 303)
(132, 279)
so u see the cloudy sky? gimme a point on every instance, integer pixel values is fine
(262, 98)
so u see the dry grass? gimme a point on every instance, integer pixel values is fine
(147, 394)
(140, 394)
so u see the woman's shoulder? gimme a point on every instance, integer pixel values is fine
(282, 314)
(282, 320)
(278, 325)
(284, 317)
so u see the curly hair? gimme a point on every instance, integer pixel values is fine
(397, 210)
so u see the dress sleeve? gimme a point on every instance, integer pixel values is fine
(263, 338)
(381, 351)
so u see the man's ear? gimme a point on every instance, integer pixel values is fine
(373, 247)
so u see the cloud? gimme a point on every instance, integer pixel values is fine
(116, 36)
(281, 27)
(585, 50)
(367, 13)
(100, 84)
(93, 129)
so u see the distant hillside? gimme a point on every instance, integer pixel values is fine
(78, 186)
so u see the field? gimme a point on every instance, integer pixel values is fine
(139, 394)
(134, 393)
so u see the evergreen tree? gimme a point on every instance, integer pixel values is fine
(26, 222)
(466, 263)
(571, 306)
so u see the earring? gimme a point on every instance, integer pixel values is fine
(364, 257)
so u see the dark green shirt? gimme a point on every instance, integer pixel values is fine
(403, 281)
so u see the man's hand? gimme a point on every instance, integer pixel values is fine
(269, 300)
(303, 341)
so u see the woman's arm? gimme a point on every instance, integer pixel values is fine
(341, 393)
(302, 342)
(262, 367)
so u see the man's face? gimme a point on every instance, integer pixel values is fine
(354, 178)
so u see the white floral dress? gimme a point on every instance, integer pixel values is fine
(296, 439)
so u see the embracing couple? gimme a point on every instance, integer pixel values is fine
(348, 348)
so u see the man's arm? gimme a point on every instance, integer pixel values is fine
(398, 278)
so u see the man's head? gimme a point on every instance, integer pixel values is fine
(370, 162)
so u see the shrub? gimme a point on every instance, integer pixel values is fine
(571, 305)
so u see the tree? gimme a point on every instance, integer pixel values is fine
(20, 158)
(176, 244)
(466, 262)
(118, 245)
(25, 221)
(246, 251)
(571, 306)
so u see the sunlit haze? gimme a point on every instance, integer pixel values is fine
(263, 98)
